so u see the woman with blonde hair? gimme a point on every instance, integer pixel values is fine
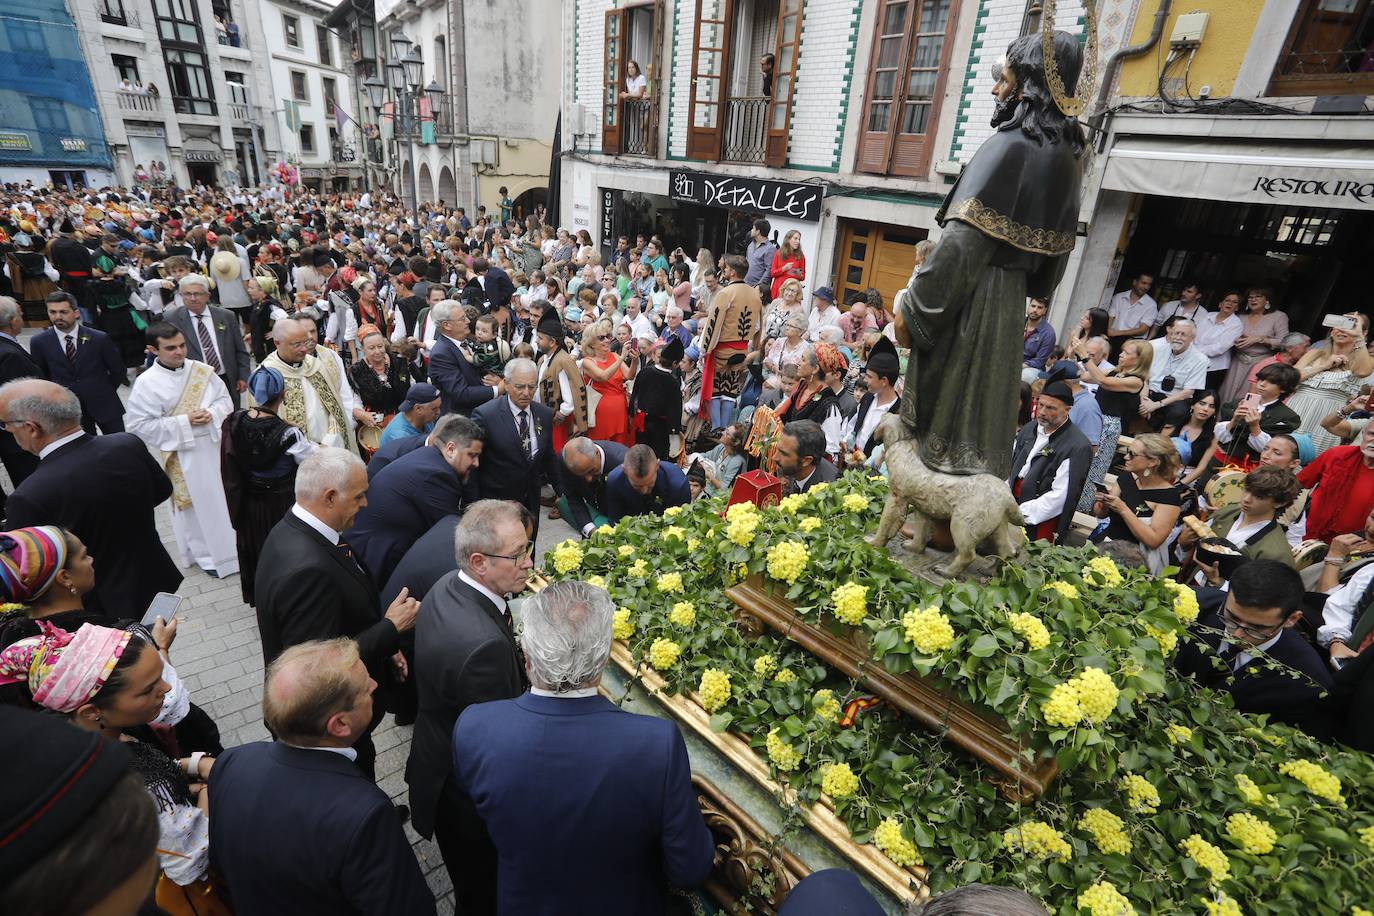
(1144, 503)
(606, 373)
(1331, 375)
(788, 303)
(1118, 396)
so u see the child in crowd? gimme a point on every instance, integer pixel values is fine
(489, 353)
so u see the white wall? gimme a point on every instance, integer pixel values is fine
(513, 54)
(282, 59)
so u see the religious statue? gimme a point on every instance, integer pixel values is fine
(1009, 226)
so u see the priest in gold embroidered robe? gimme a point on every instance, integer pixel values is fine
(178, 407)
(313, 400)
(1009, 226)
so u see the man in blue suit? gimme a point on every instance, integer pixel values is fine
(517, 444)
(644, 485)
(494, 281)
(412, 493)
(591, 808)
(84, 360)
(582, 471)
(451, 368)
(298, 828)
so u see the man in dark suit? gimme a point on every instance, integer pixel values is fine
(582, 471)
(591, 808)
(84, 360)
(465, 653)
(426, 562)
(103, 488)
(801, 457)
(517, 452)
(1049, 464)
(213, 335)
(297, 827)
(413, 492)
(392, 450)
(1252, 651)
(451, 368)
(310, 586)
(644, 485)
(494, 281)
(15, 363)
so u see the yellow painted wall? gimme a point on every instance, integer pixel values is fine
(1218, 58)
(521, 168)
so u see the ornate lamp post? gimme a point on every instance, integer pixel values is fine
(404, 70)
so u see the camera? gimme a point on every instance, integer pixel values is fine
(1166, 384)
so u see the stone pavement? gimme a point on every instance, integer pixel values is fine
(218, 654)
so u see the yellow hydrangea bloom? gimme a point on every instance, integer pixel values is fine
(683, 614)
(1031, 629)
(596, 581)
(1179, 734)
(785, 676)
(786, 560)
(928, 630)
(1038, 839)
(851, 603)
(1097, 694)
(693, 544)
(838, 781)
(790, 504)
(854, 502)
(605, 530)
(1107, 830)
(810, 523)
(1225, 905)
(765, 665)
(672, 511)
(1103, 571)
(638, 568)
(714, 689)
(819, 488)
(1062, 709)
(1103, 899)
(1140, 794)
(622, 627)
(668, 583)
(1318, 781)
(784, 756)
(1367, 837)
(674, 532)
(1167, 639)
(1254, 835)
(567, 556)
(889, 840)
(1249, 791)
(740, 528)
(663, 654)
(1185, 601)
(625, 550)
(1207, 857)
(1067, 589)
(826, 706)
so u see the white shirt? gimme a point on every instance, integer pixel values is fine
(58, 443)
(209, 321)
(329, 534)
(1104, 367)
(348, 752)
(821, 318)
(516, 412)
(640, 326)
(74, 335)
(1258, 441)
(855, 437)
(1188, 368)
(1338, 614)
(1051, 503)
(567, 694)
(1241, 659)
(1214, 338)
(490, 595)
(1176, 307)
(1125, 314)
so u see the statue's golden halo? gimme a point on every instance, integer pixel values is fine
(1071, 105)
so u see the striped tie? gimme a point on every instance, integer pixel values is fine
(207, 345)
(71, 349)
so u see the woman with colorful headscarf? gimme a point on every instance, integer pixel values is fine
(45, 572)
(110, 682)
(814, 398)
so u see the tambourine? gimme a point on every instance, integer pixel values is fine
(1309, 553)
(369, 439)
(1225, 489)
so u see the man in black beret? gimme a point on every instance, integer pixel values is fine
(1050, 461)
(880, 375)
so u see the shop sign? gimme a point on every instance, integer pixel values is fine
(310, 173)
(202, 155)
(771, 198)
(73, 144)
(608, 217)
(1281, 188)
(15, 142)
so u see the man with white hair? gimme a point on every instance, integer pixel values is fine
(1177, 371)
(313, 401)
(309, 586)
(213, 334)
(518, 453)
(591, 808)
(640, 324)
(672, 327)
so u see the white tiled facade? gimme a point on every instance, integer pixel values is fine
(826, 67)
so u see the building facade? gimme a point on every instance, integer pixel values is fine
(50, 125)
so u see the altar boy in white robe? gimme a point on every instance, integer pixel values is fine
(178, 407)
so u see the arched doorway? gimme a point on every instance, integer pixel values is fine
(407, 177)
(448, 188)
(526, 202)
(426, 191)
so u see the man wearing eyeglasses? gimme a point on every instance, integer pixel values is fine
(1252, 650)
(518, 450)
(464, 654)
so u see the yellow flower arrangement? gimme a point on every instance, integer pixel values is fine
(683, 614)
(765, 665)
(693, 544)
(1103, 899)
(596, 581)
(714, 689)
(1107, 830)
(672, 512)
(826, 706)
(622, 627)
(855, 502)
(1255, 836)
(786, 560)
(790, 504)
(889, 840)
(1167, 639)
(740, 527)
(1037, 839)
(1066, 589)
(851, 603)
(1367, 837)
(838, 781)
(1207, 857)
(1142, 797)
(1096, 693)
(663, 654)
(1185, 601)
(1103, 571)
(785, 676)
(928, 630)
(625, 550)
(810, 523)
(567, 556)
(605, 530)
(1062, 709)
(784, 756)
(638, 568)
(1318, 781)
(1225, 905)
(1031, 629)
(668, 583)
(675, 533)
(1179, 734)
(1248, 790)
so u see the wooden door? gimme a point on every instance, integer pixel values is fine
(876, 256)
(613, 78)
(655, 79)
(785, 55)
(710, 64)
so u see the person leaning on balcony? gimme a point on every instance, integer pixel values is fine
(636, 84)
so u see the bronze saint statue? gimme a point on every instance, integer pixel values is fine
(1009, 225)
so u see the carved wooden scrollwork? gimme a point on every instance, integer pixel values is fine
(749, 876)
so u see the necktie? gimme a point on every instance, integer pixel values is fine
(207, 345)
(71, 349)
(344, 549)
(525, 432)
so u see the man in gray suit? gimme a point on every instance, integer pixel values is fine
(213, 335)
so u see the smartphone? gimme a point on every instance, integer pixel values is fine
(1340, 323)
(1250, 400)
(164, 605)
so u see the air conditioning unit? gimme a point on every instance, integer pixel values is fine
(578, 118)
(484, 152)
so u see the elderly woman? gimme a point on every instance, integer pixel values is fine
(788, 303)
(1331, 375)
(381, 379)
(110, 682)
(606, 373)
(787, 350)
(814, 399)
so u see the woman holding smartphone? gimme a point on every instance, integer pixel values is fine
(1331, 375)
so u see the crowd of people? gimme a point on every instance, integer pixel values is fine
(366, 414)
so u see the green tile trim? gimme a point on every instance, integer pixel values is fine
(828, 169)
(672, 76)
(847, 84)
(980, 26)
(914, 197)
(577, 40)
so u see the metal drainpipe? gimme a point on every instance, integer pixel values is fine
(1114, 62)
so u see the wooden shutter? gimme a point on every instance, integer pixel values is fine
(655, 78)
(784, 82)
(710, 63)
(612, 75)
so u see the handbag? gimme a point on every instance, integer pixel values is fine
(593, 400)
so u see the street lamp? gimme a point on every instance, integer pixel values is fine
(399, 45)
(405, 75)
(414, 67)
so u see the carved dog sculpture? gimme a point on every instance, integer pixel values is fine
(978, 506)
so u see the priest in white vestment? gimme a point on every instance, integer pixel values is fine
(178, 407)
(313, 400)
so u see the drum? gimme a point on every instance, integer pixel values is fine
(370, 439)
(1225, 489)
(1308, 553)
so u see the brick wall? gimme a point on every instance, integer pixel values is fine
(820, 108)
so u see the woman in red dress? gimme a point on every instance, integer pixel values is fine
(606, 372)
(789, 263)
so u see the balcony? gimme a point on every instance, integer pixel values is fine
(746, 129)
(240, 111)
(640, 125)
(137, 101)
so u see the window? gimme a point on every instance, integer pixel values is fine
(126, 66)
(307, 138)
(49, 116)
(183, 53)
(330, 94)
(25, 36)
(112, 11)
(326, 50)
(178, 22)
(238, 92)
(298, 87)
(904, 84)
(291, 26)
(1330, 50)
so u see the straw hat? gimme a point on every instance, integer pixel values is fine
(225, 267)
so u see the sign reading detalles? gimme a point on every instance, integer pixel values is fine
(771, 198)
